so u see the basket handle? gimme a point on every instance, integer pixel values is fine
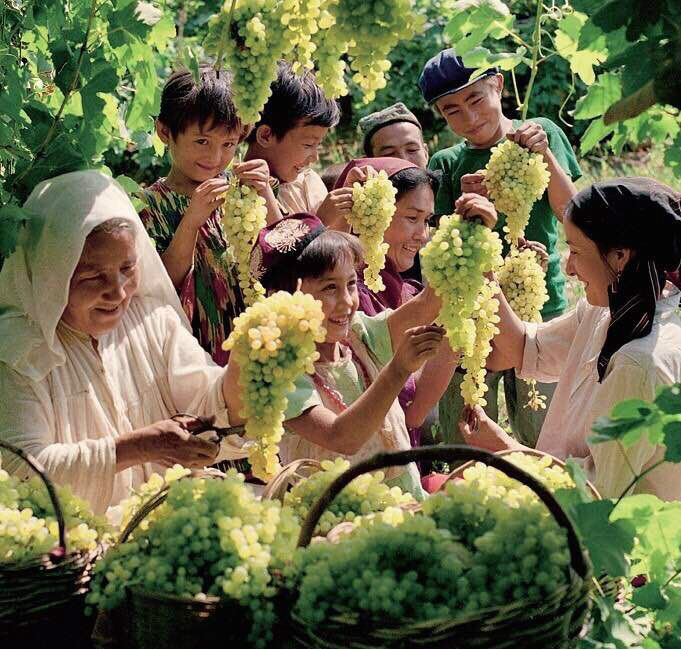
(451, 453)
(38, 468)
(146, 509)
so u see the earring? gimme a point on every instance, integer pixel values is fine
(614, 287)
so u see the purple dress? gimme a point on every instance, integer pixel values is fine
(397, 291)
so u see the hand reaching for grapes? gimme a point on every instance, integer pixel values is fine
(538, 248)
(531, 136)
(207, 197)
(479, 430)
(335, 209)
(418, 345)
(254, 173)
(474, 184)
(475, 206)
(360, 174)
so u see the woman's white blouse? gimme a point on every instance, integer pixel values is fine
(147, 369)
(565, 350)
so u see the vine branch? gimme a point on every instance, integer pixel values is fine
(536, 46)
(76, 75)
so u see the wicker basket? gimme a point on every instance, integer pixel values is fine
(551, 623)
(43, 599)
(289, 476)
(458, 472)
(152, 620)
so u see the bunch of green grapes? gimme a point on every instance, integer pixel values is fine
(515, 178)
(252, 44)
(519, 550)
(413, 571)
(303, 20)
(366, 494)
(273, 342)
(330, 46)
(523, 282)
(454, 262)
(28, 526)
(244, 215)
(485, 320)
(373, 206)
(371, 30)
(214, 538)
(131, 505)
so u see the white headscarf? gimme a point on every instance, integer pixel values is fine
(34, 281)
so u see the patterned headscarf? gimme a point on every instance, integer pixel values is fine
(642, 215)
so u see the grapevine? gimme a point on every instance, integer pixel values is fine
(213, 538)
(523, 282)
(244, 215)
(273, 342)
(515, 178)
(364, 495)
(373, 206)
(455, 262)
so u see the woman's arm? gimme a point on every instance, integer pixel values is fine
(508, 345)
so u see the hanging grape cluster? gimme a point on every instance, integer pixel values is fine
(273, 342)
(373, 206)
(454, 263)
(515, 178)
(244, 215)
(523, 282)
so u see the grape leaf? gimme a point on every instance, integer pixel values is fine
(649, 596)
(608, 542)
(600, 96)
(596, 132)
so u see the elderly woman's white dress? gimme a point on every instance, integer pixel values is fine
(566, 350)
(65, 396)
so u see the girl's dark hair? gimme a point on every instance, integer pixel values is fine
(412, 177)
(208, 103)
(318, 257)
(296, 100)
(607, 224)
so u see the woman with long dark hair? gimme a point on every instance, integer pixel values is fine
(621, 342)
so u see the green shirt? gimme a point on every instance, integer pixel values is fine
(345, 377)
(462, 159)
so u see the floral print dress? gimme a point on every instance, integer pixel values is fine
(210, 293)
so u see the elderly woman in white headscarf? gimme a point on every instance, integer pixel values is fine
(96, 354)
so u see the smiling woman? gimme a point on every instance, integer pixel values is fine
(622, 342)
(96, 354)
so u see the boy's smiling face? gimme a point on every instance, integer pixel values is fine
(474, 113)
(199, 154)
(292, 153)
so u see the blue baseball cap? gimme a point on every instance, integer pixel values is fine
(445, 73)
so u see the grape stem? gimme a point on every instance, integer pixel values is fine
(536, 46)
(226, 33)
(637, 478)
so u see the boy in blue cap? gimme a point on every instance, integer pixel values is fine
(472, 108)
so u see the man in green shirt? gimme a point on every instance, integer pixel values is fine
(473, 111)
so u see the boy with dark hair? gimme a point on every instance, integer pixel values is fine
(394, 132)
(292, 125)
(199, 125)
(472, 108)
